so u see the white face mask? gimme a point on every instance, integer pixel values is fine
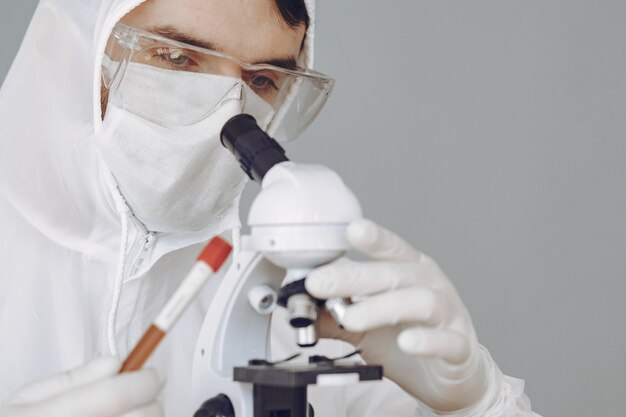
(179, 179)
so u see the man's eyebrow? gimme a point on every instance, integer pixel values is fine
(287, 63)
(171, 32)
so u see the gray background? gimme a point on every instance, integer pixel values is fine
(491, 135)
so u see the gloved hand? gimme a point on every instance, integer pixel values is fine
(408, 317)
(95, 390)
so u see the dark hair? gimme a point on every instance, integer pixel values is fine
(293, 12)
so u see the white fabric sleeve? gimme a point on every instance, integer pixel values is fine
(504, 397)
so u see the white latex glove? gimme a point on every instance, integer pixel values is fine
(94, 390)
(408, 318)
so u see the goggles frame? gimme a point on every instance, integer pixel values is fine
(134, 41)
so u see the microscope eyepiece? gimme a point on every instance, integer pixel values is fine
(255, 150)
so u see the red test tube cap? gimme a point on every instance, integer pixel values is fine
(215, 253)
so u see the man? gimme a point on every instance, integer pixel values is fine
(112, 178)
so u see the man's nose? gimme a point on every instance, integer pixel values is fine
(230, 69)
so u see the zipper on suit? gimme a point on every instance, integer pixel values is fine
(142, 251)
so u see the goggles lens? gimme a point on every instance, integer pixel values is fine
(176, 84)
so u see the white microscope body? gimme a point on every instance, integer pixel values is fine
(298, 222)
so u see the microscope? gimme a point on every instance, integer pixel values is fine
(297, 223)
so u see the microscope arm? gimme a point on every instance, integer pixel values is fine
(234, 332)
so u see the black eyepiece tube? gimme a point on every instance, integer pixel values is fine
(256, 152)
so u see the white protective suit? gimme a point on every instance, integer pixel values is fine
(60, 247)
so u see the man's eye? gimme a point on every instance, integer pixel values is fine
(179, 60)
(174, 57)
(262, 81)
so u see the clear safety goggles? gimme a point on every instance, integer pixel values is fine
(176, 84)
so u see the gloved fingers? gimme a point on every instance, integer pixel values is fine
(379, 243)
(45, 388)
(111, 397)
(417, 304)
(347, 279)
(151, 410)
(445, 344)
(327, 328)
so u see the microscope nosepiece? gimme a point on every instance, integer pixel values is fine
(302, 310)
